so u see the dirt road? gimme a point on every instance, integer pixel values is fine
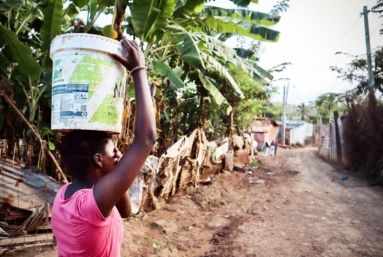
(295, 204)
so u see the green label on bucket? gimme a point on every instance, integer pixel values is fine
(98, 102)
(57, 72)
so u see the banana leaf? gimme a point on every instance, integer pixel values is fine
(19, 53)
(214, 66)
(227, 54)
(193, 45)
(166, 71)
(12, 5)
(189, 48)
(95, 8)
(244, 53)
(150, 18)
(188, 8)
(80, 3)
(52, 22)
(241, 28)
(71, 12)
(213, 91)
(242, 3)
(259, 18)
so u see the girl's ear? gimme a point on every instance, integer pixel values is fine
(98, 159)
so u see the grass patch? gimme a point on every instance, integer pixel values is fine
(254, 164)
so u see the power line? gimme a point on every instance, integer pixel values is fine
(375, 29)
(350, 29)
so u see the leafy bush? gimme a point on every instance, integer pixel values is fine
(363, 135)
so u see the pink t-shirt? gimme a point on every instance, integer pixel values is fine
(81, 230)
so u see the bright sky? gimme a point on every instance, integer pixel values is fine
(312, 32)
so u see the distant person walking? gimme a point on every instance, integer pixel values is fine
(266, 149)
(272, 148)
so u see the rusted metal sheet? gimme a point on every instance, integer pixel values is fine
(26, 197)
(327, 146)
(324, 149)
(333, 155)
(344, 141)
(25, 188)
(325, 131)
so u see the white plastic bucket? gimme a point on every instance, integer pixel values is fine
(88, 86)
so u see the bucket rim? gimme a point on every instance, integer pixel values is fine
(113, 41)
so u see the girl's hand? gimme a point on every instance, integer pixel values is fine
(133, 56)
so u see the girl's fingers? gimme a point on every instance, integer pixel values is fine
(122, 60)
(134, 43)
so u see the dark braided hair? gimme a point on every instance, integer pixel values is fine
(78, 148)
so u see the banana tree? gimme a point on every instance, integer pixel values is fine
(25, 68)
(178, 32)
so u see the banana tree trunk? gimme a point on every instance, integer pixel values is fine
(174, 128)
(229, 131)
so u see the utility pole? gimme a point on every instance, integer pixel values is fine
(368, 47)
(283, 116)
(285, 92)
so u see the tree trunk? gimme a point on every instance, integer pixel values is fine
(337, 138)
(229, 131)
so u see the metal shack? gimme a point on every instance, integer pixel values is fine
(264, 130)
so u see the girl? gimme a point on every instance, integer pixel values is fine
(86, 214)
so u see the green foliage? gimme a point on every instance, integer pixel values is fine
(378, 8)
(186, 8)
(259, 18)
(280, 7)
(209, 86)
(19, 53)
(52, 22)
(327, 103)
(167, 72)
(271, 110)
(356, 71)
(254, 164)
(150, 18)
(255, 93)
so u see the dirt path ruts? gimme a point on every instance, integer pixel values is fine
(295, 204)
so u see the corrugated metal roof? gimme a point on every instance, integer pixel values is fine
(25, 188)
(25, 196)
(262, 125)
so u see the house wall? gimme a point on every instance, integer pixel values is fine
(273, 134)
(300, 133)
(260, 137)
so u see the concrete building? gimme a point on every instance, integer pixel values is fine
(296, 132)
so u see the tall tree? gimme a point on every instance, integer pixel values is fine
(303, 111)
(356, 71)
(327, 103)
